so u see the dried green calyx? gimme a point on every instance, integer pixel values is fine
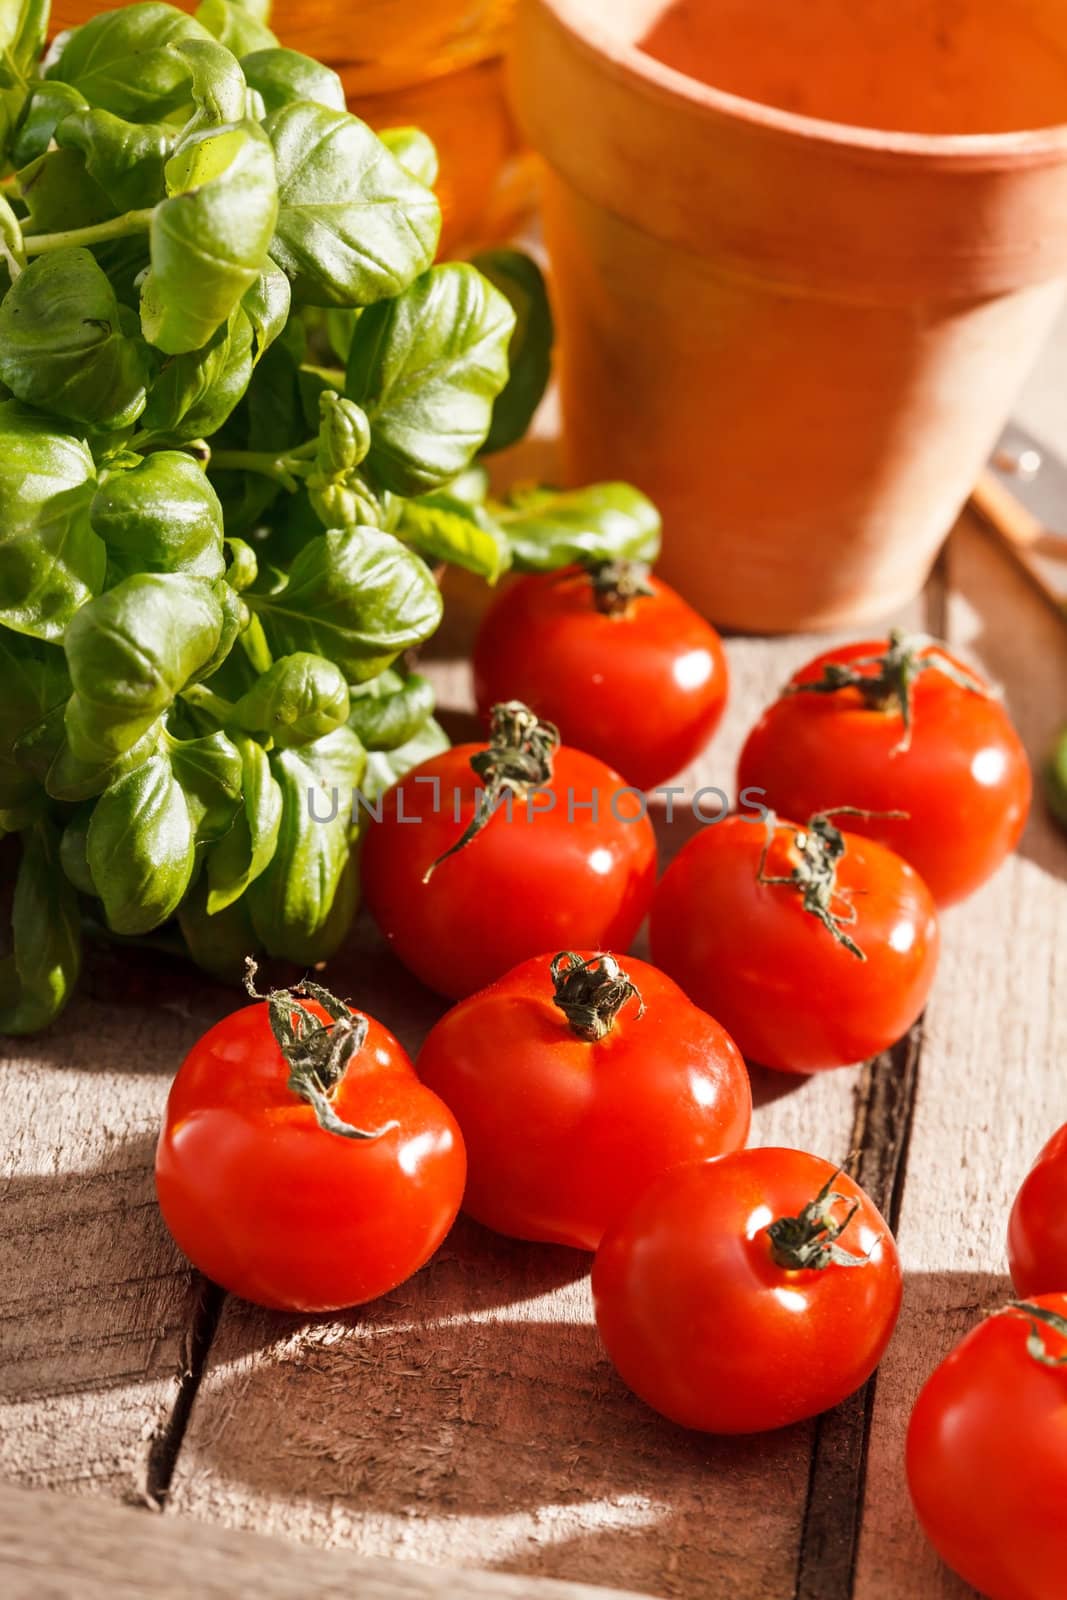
(821, 846)
(592, 992)
(809, 1240)
(617, 584)
(1036, 1344)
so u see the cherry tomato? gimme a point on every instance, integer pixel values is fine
(576, 1083)
(262, 1179)
(987, 1454)
(638, 679)
(1037, 1231)
(749, 1292)
(956, 767)
(816, 956)
(571, 863)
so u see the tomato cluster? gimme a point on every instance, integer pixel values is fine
(576, 1095)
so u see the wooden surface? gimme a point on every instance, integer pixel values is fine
(470, 1419)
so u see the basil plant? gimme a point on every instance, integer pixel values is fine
(241, 417)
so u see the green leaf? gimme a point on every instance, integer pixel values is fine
(426, 368)
(71, 779)
(239, 27)
(160, 516)
(388, 712)
(63, 347)
(141, 848)
(45, 109)
(197, 391)
(266, 305)
(245, 851)
(445, 529)
(298, 699)
(23, 29)
(219, 941)
(282, 76)
(51, 561)
(131, 651)
(353, 225)
(303, 903)
(125, 160)
(357, 597)
(414, 150)
(37, 979)
(59, 194)
(73, 852)
(549, 528)
(216, 83)
(210, 238)
(386, 767)
(121, 61)
(519, 277)
(209, 771)
(36, 687)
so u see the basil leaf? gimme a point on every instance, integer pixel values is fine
(62, 344)
(121, 61)
(239, 27)
(357, 597)
(217, 941)
(520, 279)
(282, 76)
(36, 687)
(23, 28)
(389, 711)
(209, 772)
(605, 522)
(131, 651)
(73, 852)
(216, 84)
(210, 238)
(71, 779)
(353, 225)
(36, 980)
(426, 368)
(298, 699)
(58, 194)
(414, 150)
(266, 305)
(140, 847)
(160, 516)
(386, 767)
(302, 905)
(45, 109)
(197, 391)
(445, 529)
(245, 851)
(51, 561)
(125, 160)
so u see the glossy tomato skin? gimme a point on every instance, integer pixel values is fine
(708, 1329)
(278, 1211)
(791, 996)
(964, 780)
(1037, 1229)
(544, 880)
(562, 1134)
(987, 1459)
(644, 689)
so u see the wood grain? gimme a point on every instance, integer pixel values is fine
(991, 1084)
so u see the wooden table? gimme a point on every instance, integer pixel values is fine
(470, 1419)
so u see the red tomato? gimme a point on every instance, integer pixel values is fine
(572, 866)
(1037, 1231)
(751, 945)
(749, 1292)
(960, 774)
(563, 1128)
(640, 682)
(278, 1208)
(987, 1454)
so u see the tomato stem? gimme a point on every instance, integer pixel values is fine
(821, 847)
(518, 758)
(808, 1240)
(592, 993)
(890, 688)
(617, 584)
(1035, 1343)
(317, 1053)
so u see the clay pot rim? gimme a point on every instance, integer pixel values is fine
(589, 37)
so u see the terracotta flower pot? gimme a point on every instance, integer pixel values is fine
(803, 260)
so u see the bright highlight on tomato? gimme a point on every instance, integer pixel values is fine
(898, 725)
(1037, 1230)
(813, 947)
(576, 1083)
(747, 1293)
(487, 855)
(987, 1453)
(302, 1164)
(615, 658)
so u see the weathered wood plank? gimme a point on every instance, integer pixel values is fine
(59, 1548)
(992, 1085)
(470, 1418)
